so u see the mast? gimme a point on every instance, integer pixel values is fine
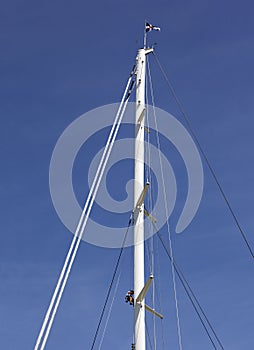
(139, 270)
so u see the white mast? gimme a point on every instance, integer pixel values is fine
(139, 281)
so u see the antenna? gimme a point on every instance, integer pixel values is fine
(145, 34)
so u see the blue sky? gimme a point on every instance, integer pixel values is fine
(60, 59)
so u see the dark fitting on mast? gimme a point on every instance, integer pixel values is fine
(130, 90)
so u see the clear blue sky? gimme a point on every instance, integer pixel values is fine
(60, 59)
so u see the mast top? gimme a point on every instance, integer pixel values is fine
(148, 28)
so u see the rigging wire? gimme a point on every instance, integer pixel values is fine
(150, 258)
(62, 280)
(154, 323)
(178, 103)
(149, 245)
(110, 310)
(191, 295)
(111, 285)
(158, 294)
(148, 336)
(150, 206)
(149, 253)
(183, 280)
(166, 213)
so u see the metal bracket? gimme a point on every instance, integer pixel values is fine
(144, 290)
(148, 308)
(141, 113)
(152, 218)
(142, 197)
(142, 295)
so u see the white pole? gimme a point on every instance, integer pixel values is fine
(139, 281)
(139, 269)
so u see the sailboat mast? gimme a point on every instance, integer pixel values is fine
(139, 310)
(139, 270)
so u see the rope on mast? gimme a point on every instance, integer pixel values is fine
(62, 280)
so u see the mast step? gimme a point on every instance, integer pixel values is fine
(148, 308)
(141, 113)
(150, 216)
(142, 196)
(144, 290)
